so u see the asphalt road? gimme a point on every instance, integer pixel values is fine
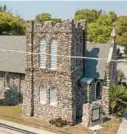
(7, 127)
(8, 131)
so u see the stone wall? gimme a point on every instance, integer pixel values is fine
(64, 78)
(90, 102)
(78, 65)
(105, 100)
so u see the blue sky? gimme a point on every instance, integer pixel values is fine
(62, 9)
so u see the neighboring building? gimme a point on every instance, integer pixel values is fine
(12, 65)
(53, 86)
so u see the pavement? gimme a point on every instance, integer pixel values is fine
(123, 126)
(8, 127)
(123, 67)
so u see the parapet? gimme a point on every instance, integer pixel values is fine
(48, 26)
(63, 26)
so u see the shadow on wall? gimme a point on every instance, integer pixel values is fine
(90, 72)
(91, 64)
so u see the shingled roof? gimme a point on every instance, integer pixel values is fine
(10, 61)
(96, 69)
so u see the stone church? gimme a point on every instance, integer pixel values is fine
(53, 80)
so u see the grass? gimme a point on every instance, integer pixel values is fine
(13, 113)
(111, 126)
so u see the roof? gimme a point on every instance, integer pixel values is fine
(10, 61)
(94, 68)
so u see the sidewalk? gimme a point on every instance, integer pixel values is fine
(19, 128)
(123, 126)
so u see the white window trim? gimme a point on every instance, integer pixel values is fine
(53, 104)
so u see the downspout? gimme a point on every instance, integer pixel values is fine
(32, 77)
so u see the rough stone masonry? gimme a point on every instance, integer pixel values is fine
(72, 96)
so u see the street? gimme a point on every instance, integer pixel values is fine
(7, 127)
(4, 130)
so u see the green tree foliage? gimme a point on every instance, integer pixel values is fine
(118, 99)
(99, 31)
(46, 17)
(43, 17)
(87, 14)
(99, 24)
(10, 24)
(121, 27)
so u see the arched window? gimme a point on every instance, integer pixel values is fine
(53, 53)
(43, 94)
(53, 96)
(43, 53)
(98, 90)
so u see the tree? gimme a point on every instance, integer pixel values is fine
(99, 31)
(118, 99)
(46, 17)
(99, 24)
(11, 25)
(121, 27)
(56, 20)
(43, 17)
(87, 14)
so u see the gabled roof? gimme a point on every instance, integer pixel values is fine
(11, 61)
(96, 69)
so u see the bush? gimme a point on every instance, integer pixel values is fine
(118, 99)
(59, 122)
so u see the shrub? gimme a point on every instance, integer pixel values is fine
(59, 122)
(118, 99)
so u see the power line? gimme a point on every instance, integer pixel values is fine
(72, 57)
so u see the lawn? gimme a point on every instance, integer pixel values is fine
(13, 113)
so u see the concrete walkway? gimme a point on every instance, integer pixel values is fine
(123, 126)
(15, 128)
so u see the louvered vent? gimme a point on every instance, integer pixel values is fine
(53, 52)
(42, 53)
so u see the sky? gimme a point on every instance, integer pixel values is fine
(62, 9)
